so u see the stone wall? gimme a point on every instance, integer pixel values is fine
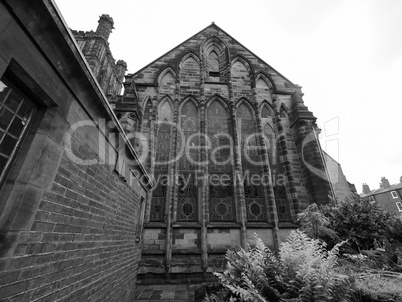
(211, 67)
(71, 204)
(338, 179)
(96, 49)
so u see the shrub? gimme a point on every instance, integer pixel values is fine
(362, 222)
(302, 271)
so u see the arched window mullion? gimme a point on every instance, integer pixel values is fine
(251, 166)
(187, 207)
(162, 161)
(221, 191)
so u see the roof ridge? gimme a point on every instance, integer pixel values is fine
(213, 24)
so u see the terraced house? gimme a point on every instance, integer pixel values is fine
(207, 145)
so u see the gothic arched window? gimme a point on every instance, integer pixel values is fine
(267, 121)
(162, 157)
(221, 191)
(146, 119)
(280, 185)
(251, 165)
(159, 194)
(187, 206)
(213, 67)
(213, 61)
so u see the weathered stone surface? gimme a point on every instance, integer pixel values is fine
(232, 91)
(69, 228)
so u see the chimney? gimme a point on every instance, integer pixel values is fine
(384, 183)
(366, 189)
(105, 26)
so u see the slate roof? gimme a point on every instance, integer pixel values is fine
(383, 190)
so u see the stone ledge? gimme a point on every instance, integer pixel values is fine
(153, 252)
(155, 225)
(186, 225)
(256, 225)
(186, 252)
(287, 225)
(221, 251)
(221, 225)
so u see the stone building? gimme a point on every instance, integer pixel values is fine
(72, 189)
(232, 148)
(207, 146)
(342, 189)
(96, 49)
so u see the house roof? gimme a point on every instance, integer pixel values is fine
(383, 190)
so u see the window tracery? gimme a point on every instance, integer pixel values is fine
(251, 166)
(162, 157)
(188, 191)
(220, 164)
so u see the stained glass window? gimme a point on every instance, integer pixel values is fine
(280, 185)
(220, 164)
(188, 164)
(163, 148)
(269, 134)
(251, 166)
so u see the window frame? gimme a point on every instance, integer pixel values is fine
(399, 206)
(29, 121)
(394, 195)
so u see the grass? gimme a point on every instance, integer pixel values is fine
(384, 286)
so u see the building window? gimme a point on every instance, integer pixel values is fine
(221, 196)
(15, 116)
(394, 195)
(162, 158)
(399, 206)
(187, 203)
(250, 161)
(213, 66)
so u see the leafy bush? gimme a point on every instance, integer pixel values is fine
(361, 222)
(316, 225)
(303, 271)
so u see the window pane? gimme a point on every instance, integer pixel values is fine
(3, 91)
(16, 126)
(12, 102)
(5, 118)
(24, 109)
(7, 145)
(3, 161)
(15, 114)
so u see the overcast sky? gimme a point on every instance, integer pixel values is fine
(346, 54)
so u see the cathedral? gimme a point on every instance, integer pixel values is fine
(110, 179)
(231, 146)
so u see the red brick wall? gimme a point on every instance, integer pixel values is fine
(386, 200)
